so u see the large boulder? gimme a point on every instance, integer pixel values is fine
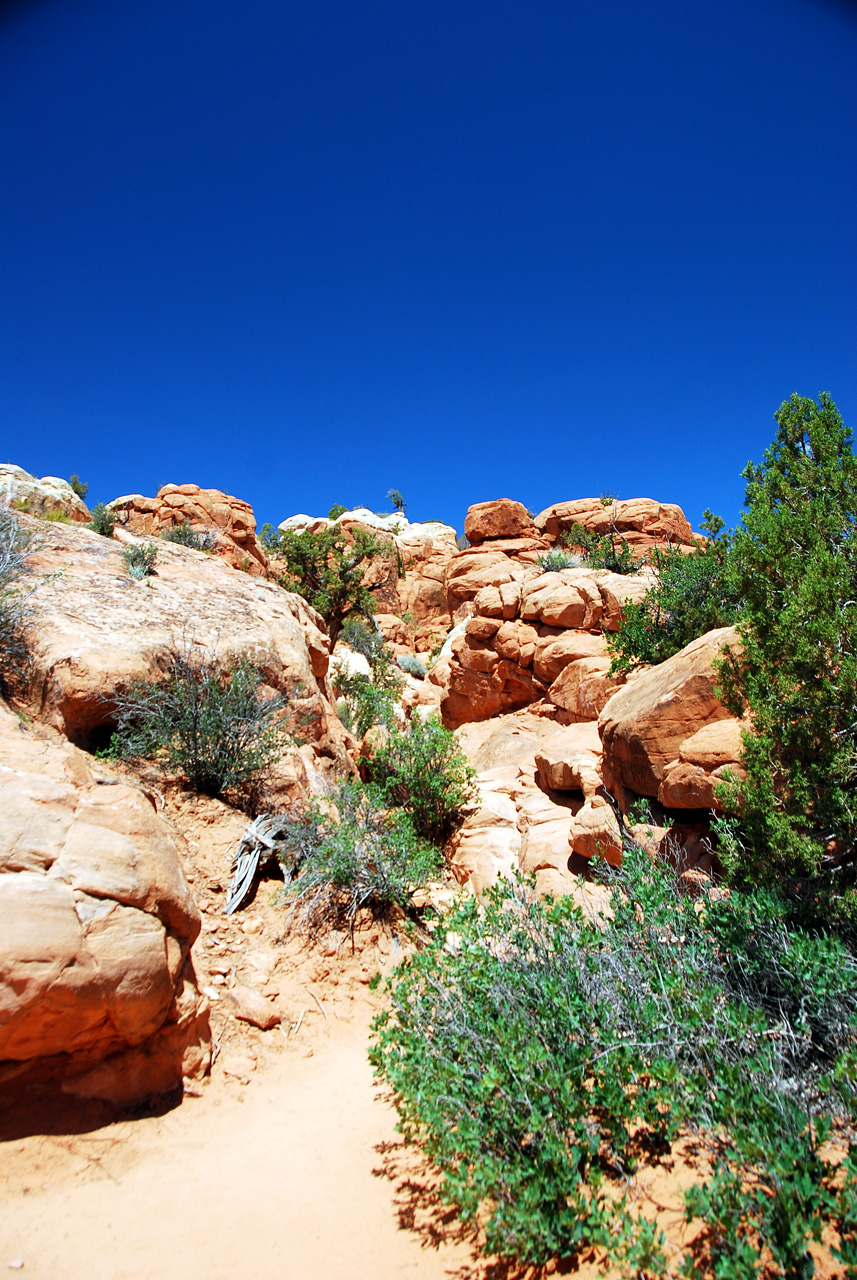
(645, 724)
(228, 522)
(92, 630)
(48, 497)
(642, 522)
(97, 988)
(501, 518)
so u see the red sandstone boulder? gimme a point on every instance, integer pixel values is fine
(583, 688)
(96, 984)
(228, 521)
(502, 518)
(92, 629)
(641, 521)
(644, 724)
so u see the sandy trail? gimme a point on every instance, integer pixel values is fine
(279, 1178)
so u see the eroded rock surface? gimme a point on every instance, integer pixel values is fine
(49, 496)
(93, 629)
(229, 522)
(666, 734)
(97, 987)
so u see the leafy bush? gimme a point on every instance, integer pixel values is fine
(209, 725)
(362, 635)
(421, 769)
(336, 511)
(794, 560)
(328, 569)
(80, 487)
(556, 559)
(412, 666)
(540, 1055)
(15, 546)
(103, 520)
(694, 593)
(348, 853)
(607, 551)
(186, 536)
(140, 559)
(368, 701)
(397, 500)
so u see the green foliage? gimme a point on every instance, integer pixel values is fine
(57, 517)
(103, 520)
(606, 551)
(540, 1056)
(336, 511)
(15, 546)
(368, 701)
(140, 559)
(421, 769)
(186, 536)
(347, 853)
(694, 593)
(795, 565)
(211, 726)
(80, 487)
(398, 502)
(328, 569)
(412, 665)
(556, 559)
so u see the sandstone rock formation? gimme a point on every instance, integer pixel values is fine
(229, 521)
(93, 629)
(666, 734)
(641, 521)
(97, 987)
(525, 630)
(49, 496)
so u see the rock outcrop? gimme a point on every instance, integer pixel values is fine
(642, 522)
(667, 735)
(526, 629)
(228, 522)
(47, 497)
(97, 988)
(92, 629)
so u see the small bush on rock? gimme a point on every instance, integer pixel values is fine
(211, 726)
(80, 487)
(608, 551)
(422, 770)
(103, 520)
(556, 559)
(14, 551)
(412, 666)
(140, 559)
(348, 853)
(186, 536)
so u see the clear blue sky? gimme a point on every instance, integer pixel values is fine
(305, 252)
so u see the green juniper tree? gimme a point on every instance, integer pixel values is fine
(794, 561)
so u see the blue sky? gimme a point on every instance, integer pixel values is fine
(466, 248)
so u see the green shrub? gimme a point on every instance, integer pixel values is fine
(694, 593)
(794, 559)
(80, 487)
(540, 1055)
(15, 546)
(421, 769)
(186, 536)
(140, 559)
(349, 853)
(336, 511)
(328, 569)
(607, 551)
(397, 500)
(410, 664)
(103, 520)
(211, 726)
(57, 517)
(366, 703)
(556, 559)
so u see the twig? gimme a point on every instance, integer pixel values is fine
(320, 1005)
